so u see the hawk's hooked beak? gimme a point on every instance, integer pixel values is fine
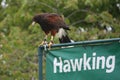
(33, 23)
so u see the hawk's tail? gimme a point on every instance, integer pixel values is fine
(63, 37)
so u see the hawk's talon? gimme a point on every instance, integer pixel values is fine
(43, 43)
(50, 44)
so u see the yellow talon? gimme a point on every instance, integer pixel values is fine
(43, 43)
(50, 44)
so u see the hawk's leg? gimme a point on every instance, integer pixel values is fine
(51, 42)
(44, 42)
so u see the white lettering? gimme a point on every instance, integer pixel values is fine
(77, 64)
(57, 64)
(66, 67)
(110, 64)
(84, 63)
(100, 61)
(93, 61)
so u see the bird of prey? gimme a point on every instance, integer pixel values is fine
(54, 24)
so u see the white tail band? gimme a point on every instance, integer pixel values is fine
(61, 33)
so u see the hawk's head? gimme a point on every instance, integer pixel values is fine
(36, 19)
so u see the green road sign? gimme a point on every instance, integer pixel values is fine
(84, 62)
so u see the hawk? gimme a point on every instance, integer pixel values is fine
(54, 24)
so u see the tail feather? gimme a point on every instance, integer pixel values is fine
(63, 37)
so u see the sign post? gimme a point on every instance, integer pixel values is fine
(40, 55)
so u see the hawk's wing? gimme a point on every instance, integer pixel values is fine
(56, 21)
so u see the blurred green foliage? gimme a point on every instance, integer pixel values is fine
(88, 20)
